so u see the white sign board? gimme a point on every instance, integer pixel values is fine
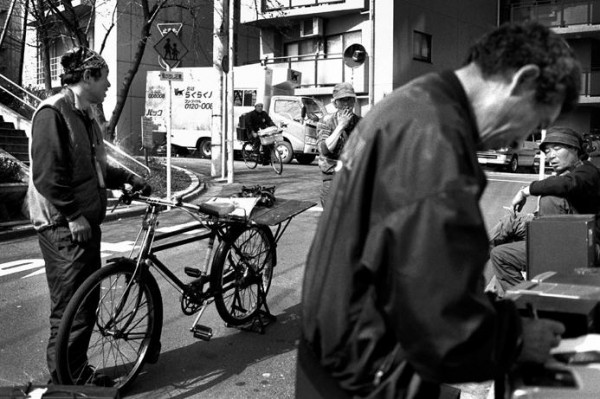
(192, 103)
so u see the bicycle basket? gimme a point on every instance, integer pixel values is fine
(270, 135)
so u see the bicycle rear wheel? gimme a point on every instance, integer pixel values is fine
(118, 317)
(276, 161)
(250, 155)
(241, 273)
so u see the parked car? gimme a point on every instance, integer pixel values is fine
(514, 159)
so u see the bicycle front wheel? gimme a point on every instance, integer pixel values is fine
(110, 326)
(241, 273)
(276, 161)
(250, 155)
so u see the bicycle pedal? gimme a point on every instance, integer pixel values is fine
(190, 271)
(202, 332)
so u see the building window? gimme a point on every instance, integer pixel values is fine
(54, 63)
(273, 5)
(308, 47)
(244, 98)
(421, 46)
(336, 44)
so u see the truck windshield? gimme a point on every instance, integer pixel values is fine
(312, 109)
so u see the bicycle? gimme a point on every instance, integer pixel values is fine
(251, 150)
(120, 305)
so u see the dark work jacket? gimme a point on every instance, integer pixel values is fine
(394, 276)
(259, 120)
(64, 180)
(581, 187)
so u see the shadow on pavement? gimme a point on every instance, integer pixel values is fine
(189, 371)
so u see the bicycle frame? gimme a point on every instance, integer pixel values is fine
(146, 255)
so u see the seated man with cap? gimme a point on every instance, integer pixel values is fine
(574, 188)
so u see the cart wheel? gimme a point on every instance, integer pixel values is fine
(241, 273)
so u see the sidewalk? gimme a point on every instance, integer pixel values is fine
(198, 187)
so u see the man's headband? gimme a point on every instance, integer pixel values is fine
(84, 59)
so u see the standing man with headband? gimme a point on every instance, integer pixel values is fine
(67, 191)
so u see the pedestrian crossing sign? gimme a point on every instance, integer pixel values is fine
(171, 49)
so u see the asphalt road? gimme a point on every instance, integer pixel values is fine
(234, 364)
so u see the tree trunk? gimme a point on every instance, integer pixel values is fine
(149, 17)
(127, 81)
(45, 47)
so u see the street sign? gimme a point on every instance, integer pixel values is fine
(171, 49)
(171, 75)
(167, 27)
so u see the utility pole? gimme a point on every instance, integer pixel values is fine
(217, 117)
(231, 122)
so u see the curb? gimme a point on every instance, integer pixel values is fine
(196, 188)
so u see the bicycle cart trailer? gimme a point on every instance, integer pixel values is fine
(118, 310)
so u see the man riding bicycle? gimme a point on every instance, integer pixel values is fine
(259, 119)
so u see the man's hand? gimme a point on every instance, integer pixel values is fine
(344, 117)
(519, 200)
(539, 336)
(139, 184)
(81, 231)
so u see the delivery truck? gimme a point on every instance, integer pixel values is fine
(193, 96)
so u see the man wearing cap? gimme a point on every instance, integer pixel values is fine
(573, 189)
(259, 119)
(334, 132)
(67, 192)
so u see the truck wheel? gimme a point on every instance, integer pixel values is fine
(285, 151)
(203, 148)
(305, 159)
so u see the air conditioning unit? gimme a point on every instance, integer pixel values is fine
(311, 27)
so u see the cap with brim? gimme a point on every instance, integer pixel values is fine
(563, 136)
(343, 90)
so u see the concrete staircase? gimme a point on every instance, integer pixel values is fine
(14, 141)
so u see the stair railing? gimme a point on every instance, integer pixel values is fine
(21, 89)
(38, 100)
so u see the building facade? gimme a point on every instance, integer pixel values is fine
(578, 21)
(402, 39)
(115, 30)
(11, 39)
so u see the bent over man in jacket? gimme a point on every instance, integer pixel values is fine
(393, 302)
(67, 191)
